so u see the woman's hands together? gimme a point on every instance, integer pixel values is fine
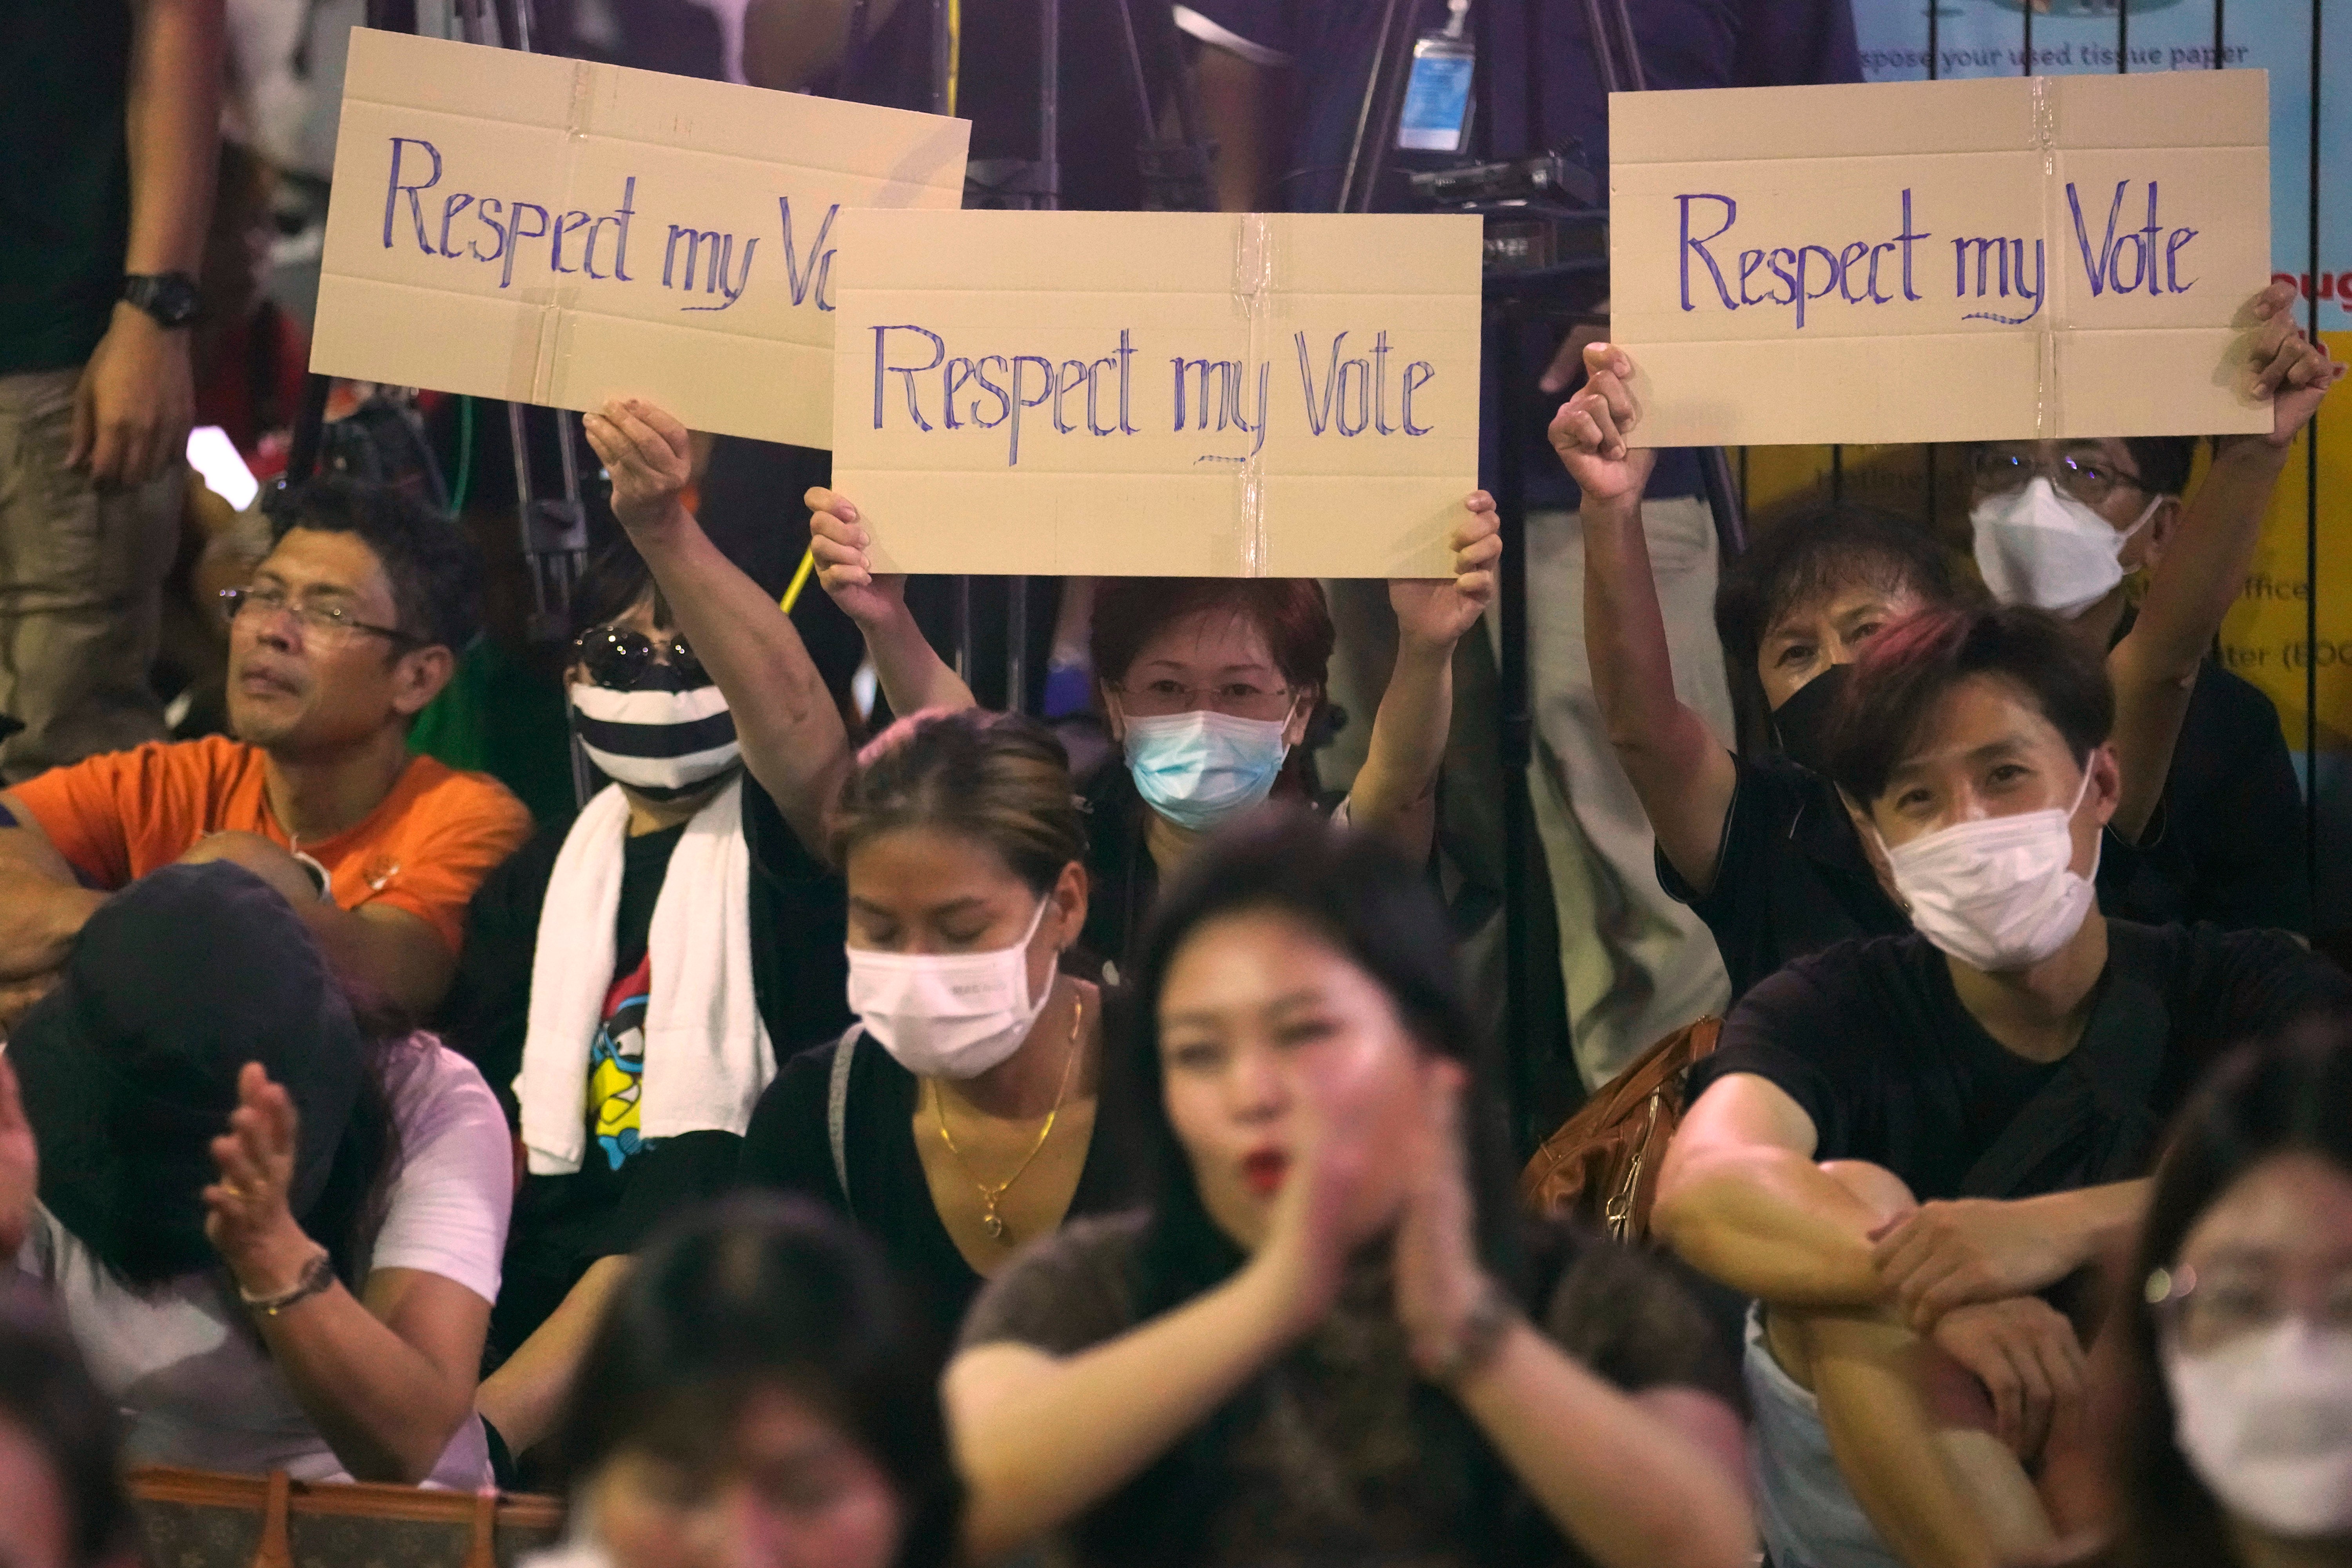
(1443, 1293)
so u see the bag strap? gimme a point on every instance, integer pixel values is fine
(481, 1549)
(836, 1109)
(276, 1550)
(2106, 1084)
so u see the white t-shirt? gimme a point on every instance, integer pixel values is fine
(195, 1382)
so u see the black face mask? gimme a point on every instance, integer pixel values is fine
(1802, 719)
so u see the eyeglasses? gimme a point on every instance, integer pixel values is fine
(320, 619)
(1234, 698)
(2087, 480)
(617, 657)
(2203, 1313)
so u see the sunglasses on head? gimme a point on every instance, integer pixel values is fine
(618, 658)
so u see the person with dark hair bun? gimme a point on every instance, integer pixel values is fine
(2236, 1439)
(1332, 1336)
(1211, 686)
(961, 1116)
(1912, 1150)
(762, 1393)
(61, 1487)
(350, 627)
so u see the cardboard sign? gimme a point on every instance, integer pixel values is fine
(1146, 394)
(551, 231)
(2042, 257)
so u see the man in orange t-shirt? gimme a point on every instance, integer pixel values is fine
(348, 630)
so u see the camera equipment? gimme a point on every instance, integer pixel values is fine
(1545, 261)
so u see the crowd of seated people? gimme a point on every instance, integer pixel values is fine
(895, 1147)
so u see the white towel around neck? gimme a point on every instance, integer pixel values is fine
(707, 1051)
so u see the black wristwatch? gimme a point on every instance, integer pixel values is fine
(169, 296)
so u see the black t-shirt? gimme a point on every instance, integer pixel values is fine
(799, 976)
(1870, 1038)
(1122, 879)
(1791, 877)
(65, 177)
(790, 1146)
(997, 89)
(1535, 56)
(2228, 846)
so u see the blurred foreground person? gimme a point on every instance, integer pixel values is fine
(759, 1394)
(60, 1479)
(2239, 1450)
(1316, 1345)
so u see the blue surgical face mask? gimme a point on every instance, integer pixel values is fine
(1199, 768)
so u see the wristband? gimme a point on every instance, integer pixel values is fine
(317, 1275)
(1478, 1338)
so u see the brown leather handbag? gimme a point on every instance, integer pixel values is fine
(1602, 1163)
(201, 1518)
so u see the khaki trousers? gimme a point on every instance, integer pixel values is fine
(1637, 964)
(81, 574)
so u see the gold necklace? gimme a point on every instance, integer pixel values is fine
(990, 1220)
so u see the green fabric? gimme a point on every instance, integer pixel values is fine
(497, 717)
(65, 177)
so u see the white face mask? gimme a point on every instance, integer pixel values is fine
(948, 1014)
(2038, 547)
(1999, 893)
(2266, 1421)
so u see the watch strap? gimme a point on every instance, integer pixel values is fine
(317, 1275)
(171, 298)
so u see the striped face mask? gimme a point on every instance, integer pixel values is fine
(661, 739)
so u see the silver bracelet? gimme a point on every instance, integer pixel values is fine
(317, 1275)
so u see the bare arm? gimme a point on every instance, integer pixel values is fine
(395, 952)
(1683, 774)
(1395, 791)
(136, 397)
(913, 675)
(388, 1376)
(1630, 1484)
(524, 1398)
(792, 734)
(1015, 1410)
(1238, 97)
(1742, 1200)
(42, 907)
(2204, 566)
